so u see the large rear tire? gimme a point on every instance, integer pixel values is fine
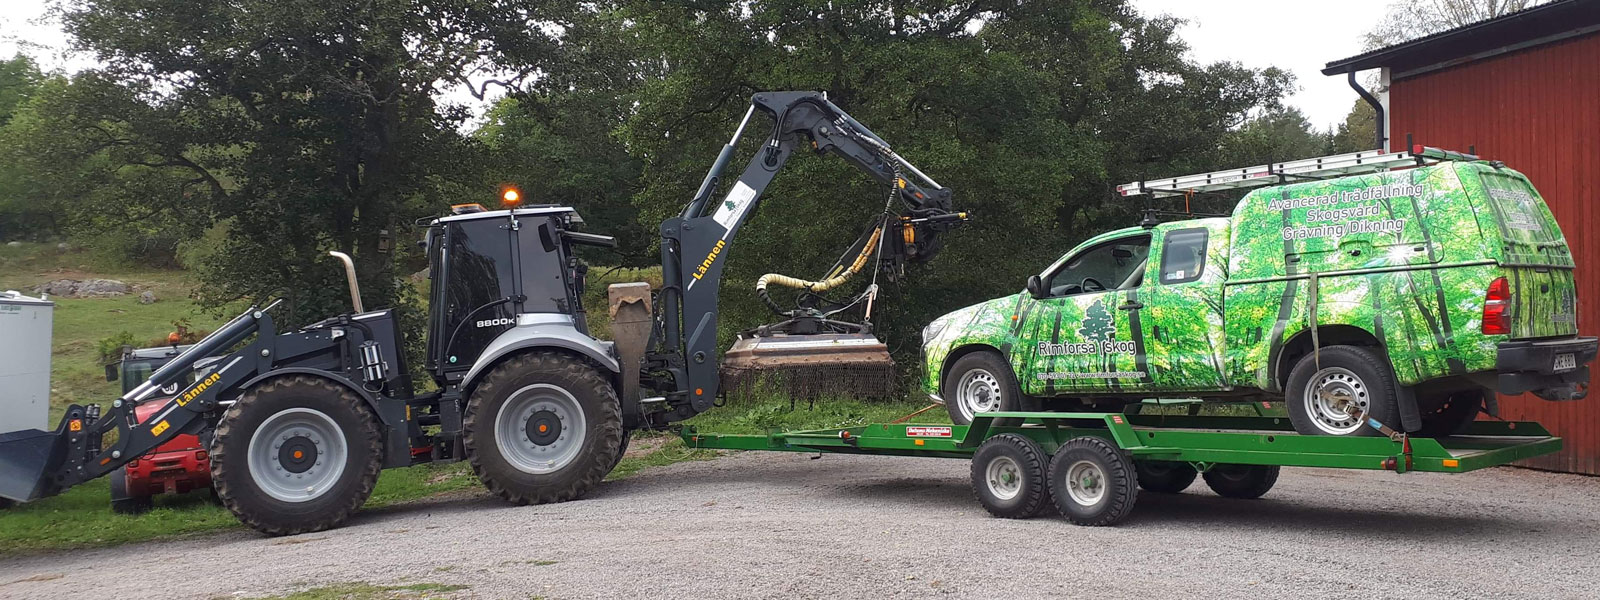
(543, 427)
(296, 454)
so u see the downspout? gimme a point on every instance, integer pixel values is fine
(1377, 107)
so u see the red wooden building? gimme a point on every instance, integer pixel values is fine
(1524, 89)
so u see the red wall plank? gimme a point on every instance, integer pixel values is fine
(1539, 111)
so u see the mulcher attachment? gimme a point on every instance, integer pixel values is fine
(803, 360)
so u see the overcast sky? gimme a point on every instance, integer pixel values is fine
(1296, 36)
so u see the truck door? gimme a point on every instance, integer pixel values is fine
(1181, 317)
(1079, 336)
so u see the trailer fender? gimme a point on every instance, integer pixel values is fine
(396, 447)
(527, 334)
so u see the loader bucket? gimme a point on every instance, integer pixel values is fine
(28, 461)
(808, 367)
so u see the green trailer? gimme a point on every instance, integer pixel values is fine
(1091, 466)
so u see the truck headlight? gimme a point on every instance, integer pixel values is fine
(932, 331)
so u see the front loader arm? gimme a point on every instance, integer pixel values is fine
(694, 243)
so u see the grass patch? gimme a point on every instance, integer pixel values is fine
(367, 591)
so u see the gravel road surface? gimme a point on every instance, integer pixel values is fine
(785, 526)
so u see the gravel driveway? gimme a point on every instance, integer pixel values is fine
(785, 526)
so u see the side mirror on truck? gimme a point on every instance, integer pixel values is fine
(1035, 286)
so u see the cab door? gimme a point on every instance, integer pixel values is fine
(1078, 335)
(1182, 312)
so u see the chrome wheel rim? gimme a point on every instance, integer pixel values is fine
(1332, 396)
(540, 429)
(1086, 483)
(1004, 478)
(977, 391)
(297, 455)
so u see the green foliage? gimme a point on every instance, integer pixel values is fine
(109, 348)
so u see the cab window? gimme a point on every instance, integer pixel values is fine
(1183, 255)
(1114, 265)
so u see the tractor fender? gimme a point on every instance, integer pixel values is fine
(366, 396)
(547, 331)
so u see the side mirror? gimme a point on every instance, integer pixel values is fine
(1035, 286)
(111, 372)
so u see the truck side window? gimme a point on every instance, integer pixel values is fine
(1114, 265)
(1183, 256)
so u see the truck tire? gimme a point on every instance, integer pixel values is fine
(296, 454)
(1450, 415)
(982, 382)
(1092, 482)
(1010, 478)
(543, 427)
(1244, 482)
(1348, 374)
(121, 502)
(1163, 477)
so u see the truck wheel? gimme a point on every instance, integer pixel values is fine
(296, 454)
(982, 382)
(1009, 476)
(543, 427)
(1245, 482)
(1450, 415)
(1319, 399)
(121, 502)
(1164, 477)
(1092, 482)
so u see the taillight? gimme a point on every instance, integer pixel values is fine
(1496, 306)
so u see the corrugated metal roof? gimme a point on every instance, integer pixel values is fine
(1522, 26)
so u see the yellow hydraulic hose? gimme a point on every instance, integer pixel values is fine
(834, 279)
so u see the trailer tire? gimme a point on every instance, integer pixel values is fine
(543, 390)
(1010, 476)
(1352, 371)
(314, 420)
(1164, 477)
(1243, 482)
(121, 502)
(983, 382)
(1093, 482)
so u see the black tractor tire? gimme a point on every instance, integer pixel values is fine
(567, 379)
(1451, 415)
(1010, 476)
(121, 502)
(345, 420)
(627, 436)
(1163, 477)
(991, 368)
(1358, 373)
(1105, 486)
(1243, 482)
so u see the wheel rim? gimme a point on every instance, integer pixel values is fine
(540, 429)
(1330, 396)
(1086, 483)
(977, 391)
(297, 455)
(1004, 478)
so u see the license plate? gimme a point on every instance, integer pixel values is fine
(1566, 362)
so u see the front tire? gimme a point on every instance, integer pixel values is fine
(1092, 482)
(543, 427)
(1009, 476)
(982, 382)
(1320, 397)
(1243, 482)
(296, 454)
(121, 502)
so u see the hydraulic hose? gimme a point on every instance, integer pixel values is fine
(834, 279)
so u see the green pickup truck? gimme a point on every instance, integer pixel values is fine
(1404, 296)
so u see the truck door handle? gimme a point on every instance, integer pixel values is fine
(1131, 304)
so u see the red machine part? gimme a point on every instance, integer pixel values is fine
(176, 467)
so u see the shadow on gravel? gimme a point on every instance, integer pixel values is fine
(1331, 518)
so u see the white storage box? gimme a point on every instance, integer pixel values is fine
(24, 361)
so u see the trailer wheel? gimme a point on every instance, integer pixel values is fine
(1163, 477)
(1320, 396)
(1245, 482)
(1009, 476)
(296, 454)
(121, 502)
(1092, 482)
(543, 427)
(982, 382)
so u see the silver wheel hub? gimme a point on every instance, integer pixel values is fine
(977, 391)
(1086, 483)
(540, 429)
(297, 455)
(1337, 401)
(1004, 478)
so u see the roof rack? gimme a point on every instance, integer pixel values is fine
(1369, 161)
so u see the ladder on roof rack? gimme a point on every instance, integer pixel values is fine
(1279, 173)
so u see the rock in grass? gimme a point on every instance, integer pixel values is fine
(148, 297)
(87, 288)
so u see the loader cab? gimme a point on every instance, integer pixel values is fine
(493, 270)
(136, 365)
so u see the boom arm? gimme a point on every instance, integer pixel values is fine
(694, 243)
